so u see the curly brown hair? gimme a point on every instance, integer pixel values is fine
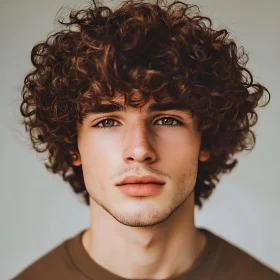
(152, 49)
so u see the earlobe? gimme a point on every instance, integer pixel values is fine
(76, 160)
(204, 155)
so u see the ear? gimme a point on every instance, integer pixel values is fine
(204, 155)
(76, 159)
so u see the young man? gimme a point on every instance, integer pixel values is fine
(141, 110)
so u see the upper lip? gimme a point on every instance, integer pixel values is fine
(139, 180)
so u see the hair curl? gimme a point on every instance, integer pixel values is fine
(152, 50)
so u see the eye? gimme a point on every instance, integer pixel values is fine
(169, 123)
(166, 121)
(105, 121)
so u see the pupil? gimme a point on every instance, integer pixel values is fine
(167, 120)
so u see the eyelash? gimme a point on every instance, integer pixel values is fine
(179, 123)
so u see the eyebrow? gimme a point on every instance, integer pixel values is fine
(155, 107)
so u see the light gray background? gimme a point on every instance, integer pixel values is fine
(38, 210)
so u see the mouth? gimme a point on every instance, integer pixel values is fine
(141, 189)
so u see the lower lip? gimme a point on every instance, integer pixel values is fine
(141, 189)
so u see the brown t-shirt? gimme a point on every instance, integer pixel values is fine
(219, 260)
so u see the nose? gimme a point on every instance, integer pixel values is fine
(138, 144)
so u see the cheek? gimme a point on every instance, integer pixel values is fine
(181, 155)
(98, 149)
(97, 155)
(180, 146)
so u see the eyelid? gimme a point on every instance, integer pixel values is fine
(171, 117)
(114, 119)
(160, 116)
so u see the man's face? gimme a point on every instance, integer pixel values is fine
(139, 143)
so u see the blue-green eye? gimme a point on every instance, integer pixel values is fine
(109, 121)
(170, 122)
(104, 122)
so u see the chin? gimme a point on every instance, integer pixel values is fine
(142, 216)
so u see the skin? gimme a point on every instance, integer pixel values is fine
(141, 237)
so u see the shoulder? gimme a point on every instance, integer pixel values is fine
(55, 264)
(230, 258)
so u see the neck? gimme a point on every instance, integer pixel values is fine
(161, 251)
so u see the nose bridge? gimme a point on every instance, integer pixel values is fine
(137, 141)
(137, 131)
